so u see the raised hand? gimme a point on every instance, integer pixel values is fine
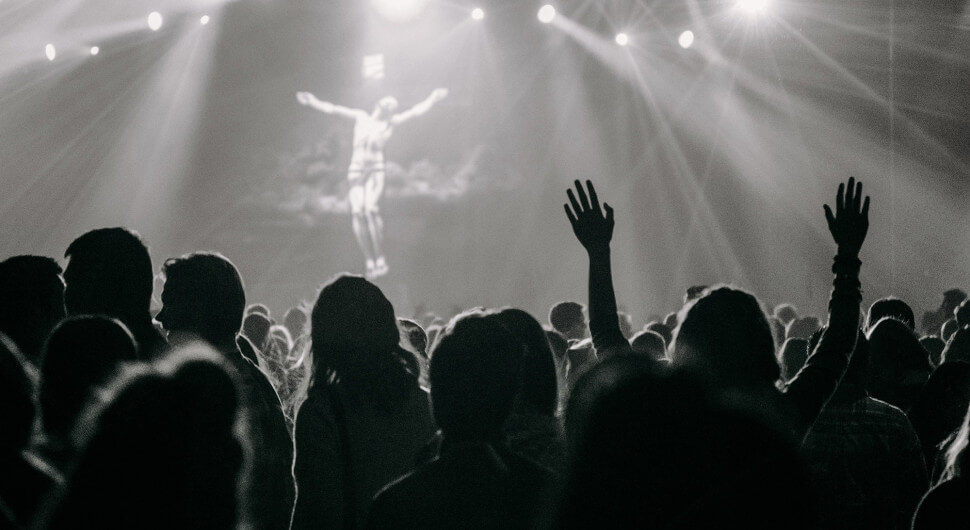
(593, 229)
(850, 222)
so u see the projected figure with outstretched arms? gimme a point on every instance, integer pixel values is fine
(366, 171)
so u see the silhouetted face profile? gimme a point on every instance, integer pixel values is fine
(204, 296)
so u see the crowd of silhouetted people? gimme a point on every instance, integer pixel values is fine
(208, 411)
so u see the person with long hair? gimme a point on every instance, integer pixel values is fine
(365, 416)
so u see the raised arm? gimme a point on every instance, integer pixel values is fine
(813, 386)
(308, 99)
(594, 230)
(437, 95)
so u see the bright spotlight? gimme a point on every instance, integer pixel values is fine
(95, 50)
(546, 13)
(204, 20)
(478, 14)
(154, 20)
(399, 10)
(50, 51)
(622, 39)
(753, 6)
(686, 39)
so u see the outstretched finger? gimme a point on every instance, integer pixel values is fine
(593, 198)
(865, 208)
(572, 200)
(850, 193)
(583, 199)
(829, 218)
(857, 199)
(570, 214)
(840, 198)
(609, 212)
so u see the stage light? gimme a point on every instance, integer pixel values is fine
(50, 51)
(399, 10)
(204, 20)
(622, 39)
(95, 50)
(154, 20)
(753, 7)
(546, 14)
(686, 39)
(478, 14)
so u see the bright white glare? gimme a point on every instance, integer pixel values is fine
(753, 6)
(622, 39)
(546, 14)
(686, 39)
(95, 50)
(399, 10)
(478, 14)
(204, 20)
(50, 51)
(154, 20)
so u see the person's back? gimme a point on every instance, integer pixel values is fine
(475, 482)
(864, 457)
(365, 417)
(204, 298)
(166, 452)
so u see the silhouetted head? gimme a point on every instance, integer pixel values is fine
(951, 299)
(109, 272)
(262, 309)
(163, 452)
(793, 354)
(785, 313)
(777, 330)
(416, 335)
(670, 320)
(694, 292)
(651, 344)
(890, 307)
(948, 329)
(934, 348)
(16, 401)
(958, 347)
(962, 314)
(256, 328)
(82, 353)
(355, 339)
(204, 296)
(31, 301)
(725, 334)
(539, 391)
(661, 329)
(898, 364)
(942, 403)
(802, 328)
(692, 462)
(569, 319)
(474, 378)
(296, 321)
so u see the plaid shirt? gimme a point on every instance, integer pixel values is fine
(866, 462)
